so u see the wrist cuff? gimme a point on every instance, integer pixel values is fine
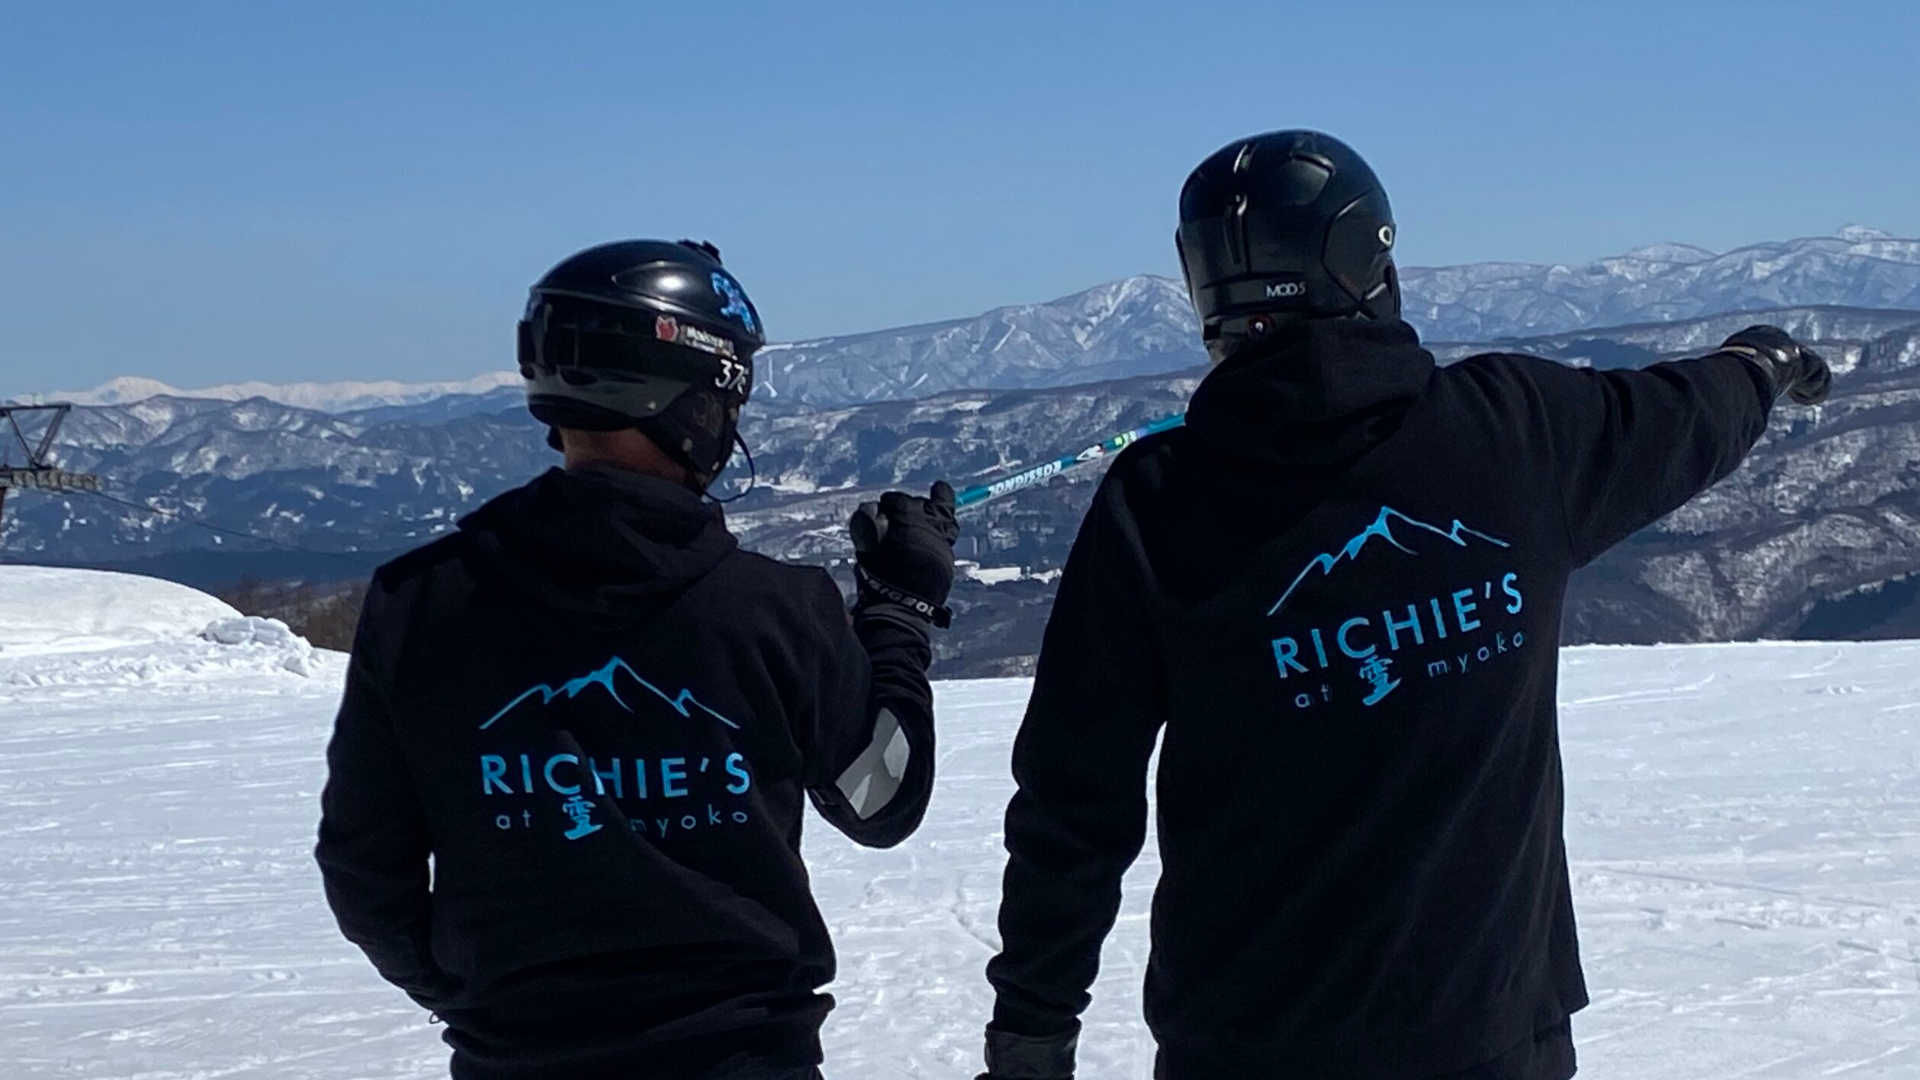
(872, 588)
(1029, 1057)
(1761, 364)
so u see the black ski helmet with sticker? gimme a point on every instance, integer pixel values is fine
(1286, 225)
(647, 334)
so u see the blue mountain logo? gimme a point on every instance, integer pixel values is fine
(1381, 529)
(683, 702)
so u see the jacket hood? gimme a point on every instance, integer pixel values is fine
(599, 538)
(1318, 392)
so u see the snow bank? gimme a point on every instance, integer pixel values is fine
(53, 610)
(1000, 575)
(62, 627)
(295, 654)
(991, 575)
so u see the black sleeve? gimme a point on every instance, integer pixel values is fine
(871, 743)
(1630, 447)
(374, 845)
(1079, 816)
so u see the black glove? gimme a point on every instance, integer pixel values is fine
(1796, 370)
(1029, 1057)
(903, 551)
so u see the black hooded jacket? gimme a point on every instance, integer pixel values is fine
(598, 717)
(1338, 591)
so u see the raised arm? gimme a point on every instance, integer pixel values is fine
(1630, 447)
(873, 742)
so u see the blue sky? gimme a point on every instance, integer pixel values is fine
(203, 192)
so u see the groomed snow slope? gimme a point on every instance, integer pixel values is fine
(1744, 821)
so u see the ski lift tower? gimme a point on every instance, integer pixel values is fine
(39, 472)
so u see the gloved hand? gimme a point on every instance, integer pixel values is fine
(1796, 370)
(903, 551)
(1029, 1057)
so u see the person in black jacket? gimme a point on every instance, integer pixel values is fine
(566, 781)
(1334, 597)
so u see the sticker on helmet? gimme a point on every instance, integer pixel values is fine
(667, 328)
(736, 301)
(733, 378)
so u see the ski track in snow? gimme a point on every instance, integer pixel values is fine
(1742, 823)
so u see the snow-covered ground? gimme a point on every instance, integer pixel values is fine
(1000, 575)
(1744, 820)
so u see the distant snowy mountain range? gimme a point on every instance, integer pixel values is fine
(334, 397)
(1819, 534)
(1135, 326)
(1145, 326)
(1858, 267)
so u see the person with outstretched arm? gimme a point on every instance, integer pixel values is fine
(567, 778)
(1334, 600)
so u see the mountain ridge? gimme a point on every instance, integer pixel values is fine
(1144, 325)
(343, 396)
(1818, 533)
(1819, 529)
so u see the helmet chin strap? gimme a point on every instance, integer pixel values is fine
(753, 475)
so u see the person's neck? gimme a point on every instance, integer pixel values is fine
(662, 470)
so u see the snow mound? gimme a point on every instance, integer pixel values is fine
(296, 655)
(991, 575)
(123, 633)
(58, 610)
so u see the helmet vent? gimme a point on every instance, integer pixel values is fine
(1237, 230)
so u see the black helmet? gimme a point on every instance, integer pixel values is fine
(1290, 224)
(646, 334)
